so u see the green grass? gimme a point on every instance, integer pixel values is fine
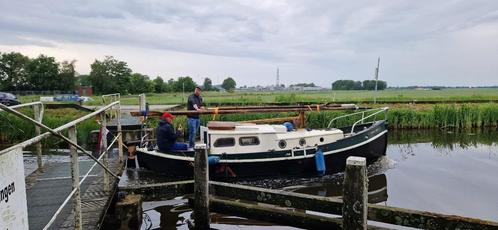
(357, 96)
(15, 130)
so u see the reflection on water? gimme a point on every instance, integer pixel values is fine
(174, 214)
(452, 173)
(377, 189)
(430, 170)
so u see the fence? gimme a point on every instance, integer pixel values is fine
(72, 141)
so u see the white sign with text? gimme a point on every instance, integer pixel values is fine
(13, 205)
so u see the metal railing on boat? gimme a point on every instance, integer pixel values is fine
(374, 113)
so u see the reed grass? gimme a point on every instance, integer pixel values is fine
(15, 130)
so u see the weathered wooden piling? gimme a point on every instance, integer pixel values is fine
(355, 194)
(201, 192)
(129, 212)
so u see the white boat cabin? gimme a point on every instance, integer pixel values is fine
(235, 138)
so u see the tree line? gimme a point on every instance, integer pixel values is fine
(19, 72)
(358, 85)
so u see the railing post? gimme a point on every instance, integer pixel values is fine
(354, 209)
(201, 192)
(120, 137)
(103, 142)
(38, 115)
(75, 174)
(141, 102)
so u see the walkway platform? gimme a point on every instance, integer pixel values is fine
(47, 191)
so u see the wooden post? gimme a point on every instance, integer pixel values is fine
(201, 192)
(301, 120)
(103, 142)
(120, 133)
(141, 102)
(75, 174)
(355, 194)
(38, 115)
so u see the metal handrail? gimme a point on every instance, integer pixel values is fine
(71, 194)
(114, 97)
(58, 129)
(24, 105)
(384, 110)
(349, 115)
(73, 142)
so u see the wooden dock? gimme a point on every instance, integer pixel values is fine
(47, 191)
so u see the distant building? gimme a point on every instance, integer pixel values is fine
(85, 90)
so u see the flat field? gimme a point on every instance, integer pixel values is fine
(289, 97)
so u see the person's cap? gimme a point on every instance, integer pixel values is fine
(167, 115)
(198, 87)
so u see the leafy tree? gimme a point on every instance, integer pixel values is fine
(381, 85)
(183, 83)
(229, 84)
(140, 84)
(208, 84)
(369, 84)
(13, 73)
(110, 76)
(159, 85)
(67, 75)
(356, 85)
(84, 80)
(43, 73)
(346, 85)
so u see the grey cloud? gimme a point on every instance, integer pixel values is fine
(323, 34)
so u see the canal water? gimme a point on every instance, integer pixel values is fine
(431, 170)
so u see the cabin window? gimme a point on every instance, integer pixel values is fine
(244, 141)
(224, 142)
(282, 144)
(302, 142)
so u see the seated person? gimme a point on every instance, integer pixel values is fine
(166, 135)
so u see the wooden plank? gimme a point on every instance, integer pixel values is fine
(160, 191)
(380, 213)
(277, 197)
(354, 208)
(276, 214)
(231, 111)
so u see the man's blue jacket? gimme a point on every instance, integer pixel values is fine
(166, 136)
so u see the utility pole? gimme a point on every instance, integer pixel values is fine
(376, 79)
(183, 92)
(277, 85)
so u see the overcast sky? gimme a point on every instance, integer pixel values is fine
(420, 42)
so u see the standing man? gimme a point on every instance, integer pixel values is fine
(193, 122)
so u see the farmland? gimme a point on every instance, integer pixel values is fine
(289, 97)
